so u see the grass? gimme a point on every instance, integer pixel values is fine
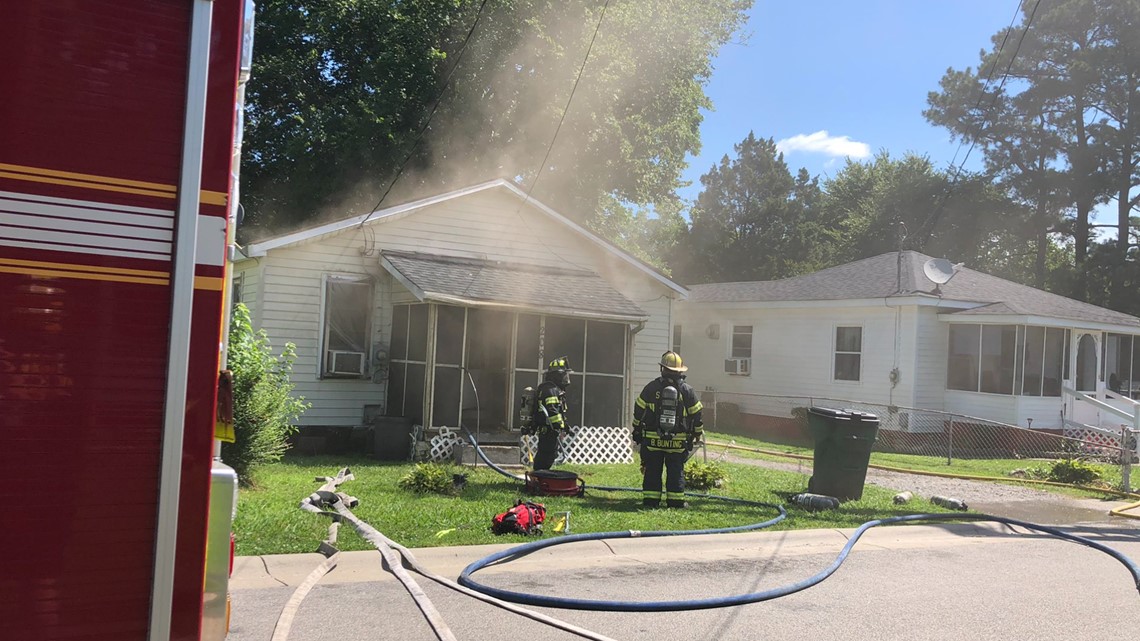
(1110, 474)
(269, 521)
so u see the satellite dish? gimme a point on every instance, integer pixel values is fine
(938, 270)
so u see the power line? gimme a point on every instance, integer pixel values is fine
(431, 113)
(558, 129)
(990, 75)
(974, 141)
(549, 147)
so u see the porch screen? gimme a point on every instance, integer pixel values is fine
(408, 355)
(505, 352)
(1007, 359)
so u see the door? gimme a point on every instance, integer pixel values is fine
(1086, 366)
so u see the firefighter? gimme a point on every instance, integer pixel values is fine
(666, 424)
(550, 411)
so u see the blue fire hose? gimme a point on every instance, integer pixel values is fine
(465, 578)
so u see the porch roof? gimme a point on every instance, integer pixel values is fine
(478, 282)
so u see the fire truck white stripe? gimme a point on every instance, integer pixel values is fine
(83, 213)
(90, 204)
(98, 251)
(156, 249)
(85, 227)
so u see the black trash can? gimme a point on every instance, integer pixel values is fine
(843, 442)
(392, 438)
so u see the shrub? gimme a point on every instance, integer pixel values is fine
(1073, 471)
(264, 405)
(704, 476)
(430, 478)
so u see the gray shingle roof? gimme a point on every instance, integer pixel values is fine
(549, 289)
(900, 274)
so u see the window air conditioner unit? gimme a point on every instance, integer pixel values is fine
(738, 366)
(342, 362)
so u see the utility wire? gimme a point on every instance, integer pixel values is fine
(431, 113)
(549, 148)
(989, 110)
(566, 109)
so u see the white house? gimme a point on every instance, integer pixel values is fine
(880, 331)
(441, 310)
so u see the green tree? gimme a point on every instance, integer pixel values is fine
(887, 204)
(264, 406)
(754, 220)
(339, 90)
(1061, 131)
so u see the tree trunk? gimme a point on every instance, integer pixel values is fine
(1118, 287)
(1042, 233)
(1083, 203)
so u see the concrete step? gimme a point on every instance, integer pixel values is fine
(498, 454)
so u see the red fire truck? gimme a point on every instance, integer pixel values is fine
(119, 124)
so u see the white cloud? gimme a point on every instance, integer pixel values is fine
(823, 143)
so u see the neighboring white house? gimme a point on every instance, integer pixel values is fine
(880, 331)
(434, 308)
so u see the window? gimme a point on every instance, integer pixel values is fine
(347, 316)
(235, 289)
(739, 359)
(741, 341)
(677, 338)
(848, 353)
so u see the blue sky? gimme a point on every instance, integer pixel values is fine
(858, 71)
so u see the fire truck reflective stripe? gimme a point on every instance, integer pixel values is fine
(46, 235)
(209, 282)
(83, 249)
(83, 268)
(84, 226)
(24, 169)
(91, 227)
(102, 183)
(18, 203)
(54, 273)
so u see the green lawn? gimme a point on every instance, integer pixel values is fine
(971, 467)
(269, 521)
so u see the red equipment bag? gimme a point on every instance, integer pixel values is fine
(554, 483)
(524, 518)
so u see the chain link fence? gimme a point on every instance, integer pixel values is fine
(902, 430)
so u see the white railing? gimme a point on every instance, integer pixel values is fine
(1128, 435)
(583, 446)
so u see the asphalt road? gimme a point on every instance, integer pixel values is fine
(908, 583)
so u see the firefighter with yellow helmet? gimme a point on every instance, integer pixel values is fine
(549, 415)
(667, 424)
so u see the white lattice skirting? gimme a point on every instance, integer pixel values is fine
(583, 446)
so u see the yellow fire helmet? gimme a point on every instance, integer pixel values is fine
(672, 362)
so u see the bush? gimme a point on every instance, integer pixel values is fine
(430, 478)
(264, 405)
(1073, 471)
(704, 476)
